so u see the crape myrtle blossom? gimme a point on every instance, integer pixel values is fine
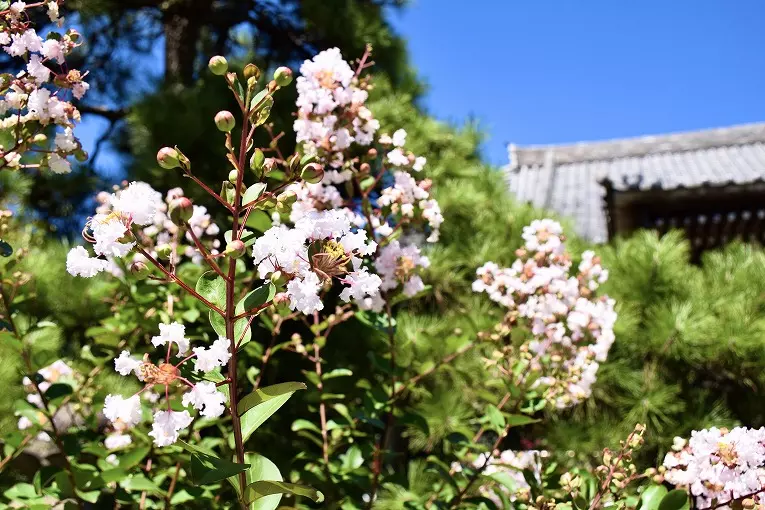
(571, 329)
(322, 245)
(35, 98)
(138, 205)
(507, 468)
(203, 396)
(719, 466)
(56, 372)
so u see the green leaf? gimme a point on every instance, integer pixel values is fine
(242, 329)
(261, 468)
(260, 221)
(133, 457)
(256, 414)
(302, 424)
(338, 372)
(263, 488)
(58, 390)
(212, 287)
(208, 469)
(258, 297)
(652, 496)
(519, 420)
(267, 393)
(352, 459)
(6, 250)
(675, 500)
(139, 483)
(253, 192)
(495, 417)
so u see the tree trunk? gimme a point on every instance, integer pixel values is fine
(183, 21)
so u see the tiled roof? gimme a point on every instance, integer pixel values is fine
(566, 178)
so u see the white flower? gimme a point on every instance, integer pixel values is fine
(172, 333)
(112, 459)
(58, 165)
(108, 231)
(216, 356)
(166, 426)
(206, 398)
(17, 8)
(399, 138)
(80, 263)
(53, 50)
(361, 284)
(397, 158)
(66, 141)
(37, 69)
(124, 411)
(125, 364)
(139, 201)
(117, 440)
(419, 163)
(304, 293)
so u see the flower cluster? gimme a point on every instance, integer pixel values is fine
(571, 329)
(203, 396)
(507, 470)
(335, 126)
(165, 225)
(331, 111)
(36, 97)
(719, 466)
(56, 372)
(163, 234)
(319, 247)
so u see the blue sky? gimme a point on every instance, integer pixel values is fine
(535, 72)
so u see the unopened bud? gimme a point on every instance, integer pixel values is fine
(225, 121)
(312, 173)
(251, 71)
(181, 209)
(164, 251)
(283, 76)
(256, 160)
(372, 152)
(282, 299)
(365, 168)
(139, 270)
(233, 175)
(81, 156)
(235, 249)
(39, 138)
(168, 158)
(279, 279)
(218, 65)
(284, 202)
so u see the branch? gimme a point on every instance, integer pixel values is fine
(105, 112)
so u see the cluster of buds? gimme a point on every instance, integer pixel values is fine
(36, 97)
(124, 413)
(720, 467)
(571, 329)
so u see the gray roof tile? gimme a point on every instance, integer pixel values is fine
(565, 178)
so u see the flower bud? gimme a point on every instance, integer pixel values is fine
(284, 202)
(81, 155)
(283, 298)
(39, 138)
(251, 71)
(164, 251)
(225, 121)
(181, 209)
(218, 65)
(139, 270)
(168, 158)
(235, 248)
(312, 173)
(283, 76)
(256, 160)
(279, 279)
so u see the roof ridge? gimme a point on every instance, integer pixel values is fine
(580, 152)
